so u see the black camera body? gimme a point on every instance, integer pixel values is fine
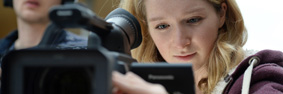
(58, 72)
(48, 70)
(119, 32)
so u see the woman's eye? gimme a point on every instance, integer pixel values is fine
(194, 20)
(163, 26)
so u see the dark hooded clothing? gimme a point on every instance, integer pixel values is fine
(266, 78)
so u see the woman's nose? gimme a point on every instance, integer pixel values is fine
(181, 37)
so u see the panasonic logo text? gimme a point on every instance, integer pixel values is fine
(160, 77)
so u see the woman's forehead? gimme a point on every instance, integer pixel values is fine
(175, 3)
(175, 7)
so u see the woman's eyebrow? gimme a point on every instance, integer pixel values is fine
(155, 19)
(198, 9)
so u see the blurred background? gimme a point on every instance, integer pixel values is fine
(100, 7)
(263, 20)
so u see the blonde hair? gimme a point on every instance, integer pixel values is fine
(226, 54)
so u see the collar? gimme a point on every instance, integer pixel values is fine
(224, 81)
(8, 41)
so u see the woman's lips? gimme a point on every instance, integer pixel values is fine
(32, 4)
(185, 57)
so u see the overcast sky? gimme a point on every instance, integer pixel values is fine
(264, 22)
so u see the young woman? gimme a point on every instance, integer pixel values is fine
(209, 34)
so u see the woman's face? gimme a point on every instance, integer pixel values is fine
(183, 30)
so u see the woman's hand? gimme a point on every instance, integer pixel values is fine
(133, 84)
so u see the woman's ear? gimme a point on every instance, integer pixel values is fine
(222, 14)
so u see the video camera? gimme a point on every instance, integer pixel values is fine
(48, 70)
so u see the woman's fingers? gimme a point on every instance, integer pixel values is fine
(122, 82)
(133, 84)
